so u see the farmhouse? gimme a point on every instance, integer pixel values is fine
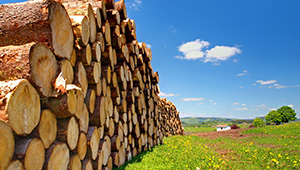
(223, 127)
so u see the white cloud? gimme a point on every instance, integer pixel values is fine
(221, 53)
(192, 99)
(277, 86)
(241, 87)
(243, 104)
(134, 4)
(211, 101)
(235, 103)
(194, 50)
(245, 72)
(200, 103)
(266, 82)
(241, 109)
(291, 105)
(162, 94)
(214, 103)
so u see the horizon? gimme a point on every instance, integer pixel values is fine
(222, 59)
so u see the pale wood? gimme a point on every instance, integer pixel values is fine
(15, 165)
(82, 146)
(81, 77)
(67, 71)
(93, 72)
(106, 32)
(84, 54)
(105, 147)
(93, 24)
(47, 128)
(57, 156)
(122, 155)
(96, 51)
(115, 158)
(81, 28)
(31, 152)
(115, 143)
(93, 140)
(84, 120)
(97, 87)
(100, 112)
(113, 17)
(20, 105)
(90, 100)
(75, 163)
(7, 145)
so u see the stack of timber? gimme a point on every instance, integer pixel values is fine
(77, 90)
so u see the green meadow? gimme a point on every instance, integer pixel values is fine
(269, 147)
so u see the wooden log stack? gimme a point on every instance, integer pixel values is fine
(77, 89)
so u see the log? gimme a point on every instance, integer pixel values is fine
(109, 4)
(67, 71)
(90, 100)
(113, 17)
(93, 24)
(121, 7)
(93, 140)
(99, 161)
(93, 72)
(32, 62)
(68, 131)
(84, 120)
(122, 155)
(64, 105)
(7, 145)
(106, 32)
(100, 112)
(41, 21)
(75, 163)
(99, 18)
(101, 41)
(31, 152)
(97, 87)
(105, 146)
(15, 165)
(115, 143)
(47, 128)
(81, 78)
(110, 127)
(109, 163)
(82, 146)
(84, 54)
(81, 28)
(57, 156)
(115, 158)
(96, 51)
(20, 104)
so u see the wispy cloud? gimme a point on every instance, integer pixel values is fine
(241, 109)
(200, 103)
(162, 94)
(214, 103)
(244, 73)
(172, 29)
(192, 99)
(194, 50)
(271, 84)
(134, 4)
(291, 105)
(262, 82)
(235, 103)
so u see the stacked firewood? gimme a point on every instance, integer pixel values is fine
(79, 89)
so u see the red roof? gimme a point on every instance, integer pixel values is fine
(222, 125)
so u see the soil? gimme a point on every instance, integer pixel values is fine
(233, 133)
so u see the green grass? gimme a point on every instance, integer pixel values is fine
(199, 129)
(270, 147)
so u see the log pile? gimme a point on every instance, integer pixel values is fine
(79, 89)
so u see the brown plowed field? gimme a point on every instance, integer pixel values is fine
(233, 133)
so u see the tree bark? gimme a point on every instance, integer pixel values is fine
(37, 21)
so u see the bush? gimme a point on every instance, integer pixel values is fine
(234, 126)
(258, 122)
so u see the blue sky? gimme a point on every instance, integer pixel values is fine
(215, 58)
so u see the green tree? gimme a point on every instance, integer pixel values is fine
(273, 117)
(287, 114)
(258, 122)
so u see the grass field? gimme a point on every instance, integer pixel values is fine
(198, 129)
(270, 147)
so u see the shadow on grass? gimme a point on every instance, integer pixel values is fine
(138, 158)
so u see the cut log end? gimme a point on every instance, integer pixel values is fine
(58, 156)
(47, 128)
(7, 145)
(43, 68)
(35, 155)
(22, 105)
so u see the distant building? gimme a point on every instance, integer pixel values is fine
(223, 127)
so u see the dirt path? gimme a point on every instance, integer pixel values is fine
(234, 134)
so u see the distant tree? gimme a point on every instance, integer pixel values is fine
(273, 117)
(234, 126)
(287, 114)
(258, 122)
